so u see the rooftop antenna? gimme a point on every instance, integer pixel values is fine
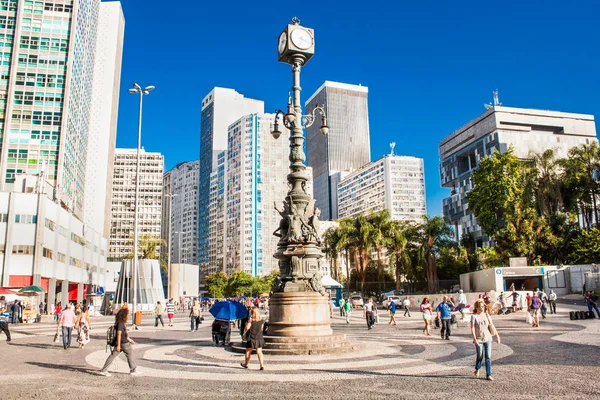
(392, 145)
(496, 99)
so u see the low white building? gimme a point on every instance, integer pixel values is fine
(395, 183)
(185, 281)
(43, 244)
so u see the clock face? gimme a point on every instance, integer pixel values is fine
(301, 39)
(282, 42)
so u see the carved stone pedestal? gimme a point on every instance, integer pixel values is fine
(299, 314)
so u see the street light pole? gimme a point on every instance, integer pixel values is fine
(137, 89)
(170, 197)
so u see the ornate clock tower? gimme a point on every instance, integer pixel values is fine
(299, 305)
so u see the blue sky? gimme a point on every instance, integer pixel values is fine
(429, 65)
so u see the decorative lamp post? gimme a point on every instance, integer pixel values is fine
(299, 306)
(137, 89)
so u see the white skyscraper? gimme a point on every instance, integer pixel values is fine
(395, 183)
(251, 177)
(46, 78)
(103, 119)
(181, 224)
(220, 108)
(123, 200)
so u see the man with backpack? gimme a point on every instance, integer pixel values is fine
(118, 340)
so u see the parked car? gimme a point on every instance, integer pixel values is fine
(395, 299)
(357, 301)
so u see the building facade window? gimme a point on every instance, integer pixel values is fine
(25, 219)
(22, 249)
(48, 253)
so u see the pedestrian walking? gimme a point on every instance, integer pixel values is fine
(342, 303)
(544, 299)
(57, 312)
(4, 316)
(552, 301)
(195, 314)
(347, 310)
(444, 313)
(122, 343)
(482, 330)
(256, 341)
(368, 308)
(392, 310)
(170, 311)
(67, 322)
(462, 303)
(515, 299)
(426, 310)
(158, 313)
(534, 309)
(83, 327)
(406, 304)
(16, 309)
(592, 302)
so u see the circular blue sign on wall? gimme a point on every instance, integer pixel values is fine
(498, 271)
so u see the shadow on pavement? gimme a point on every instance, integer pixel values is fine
(64, 367)
(399, 374)
(54, 346)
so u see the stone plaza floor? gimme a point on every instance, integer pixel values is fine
(561, 359)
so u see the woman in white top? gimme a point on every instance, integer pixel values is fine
(481, 322)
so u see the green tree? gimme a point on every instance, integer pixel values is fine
(435, 235)
(149, 249)
(586, 248)
(216, 284)
(381, 226)
(331, 240)
(239, 284)
(548, 183)
(497, 187)
(580, 180)
(355, 236)
(398, 247)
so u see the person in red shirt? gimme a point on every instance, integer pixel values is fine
(57, 312)
(528, 298)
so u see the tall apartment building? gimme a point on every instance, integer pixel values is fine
(220, 108)
(498, 128)
(46, 77)
(346, 146)
(180, 213)
(251, 177)
(123, 200)
(103, 119)
(395, 183)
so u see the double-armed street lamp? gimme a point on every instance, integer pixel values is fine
(137, 89)
(299, 306)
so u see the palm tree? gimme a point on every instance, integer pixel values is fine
(149, 249)
(580, 175)
(331, 240)
(547, 194)
(381, 225)
(355, 236)
(398, 246)
(435, 234)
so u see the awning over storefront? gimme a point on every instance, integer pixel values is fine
(330, 283)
